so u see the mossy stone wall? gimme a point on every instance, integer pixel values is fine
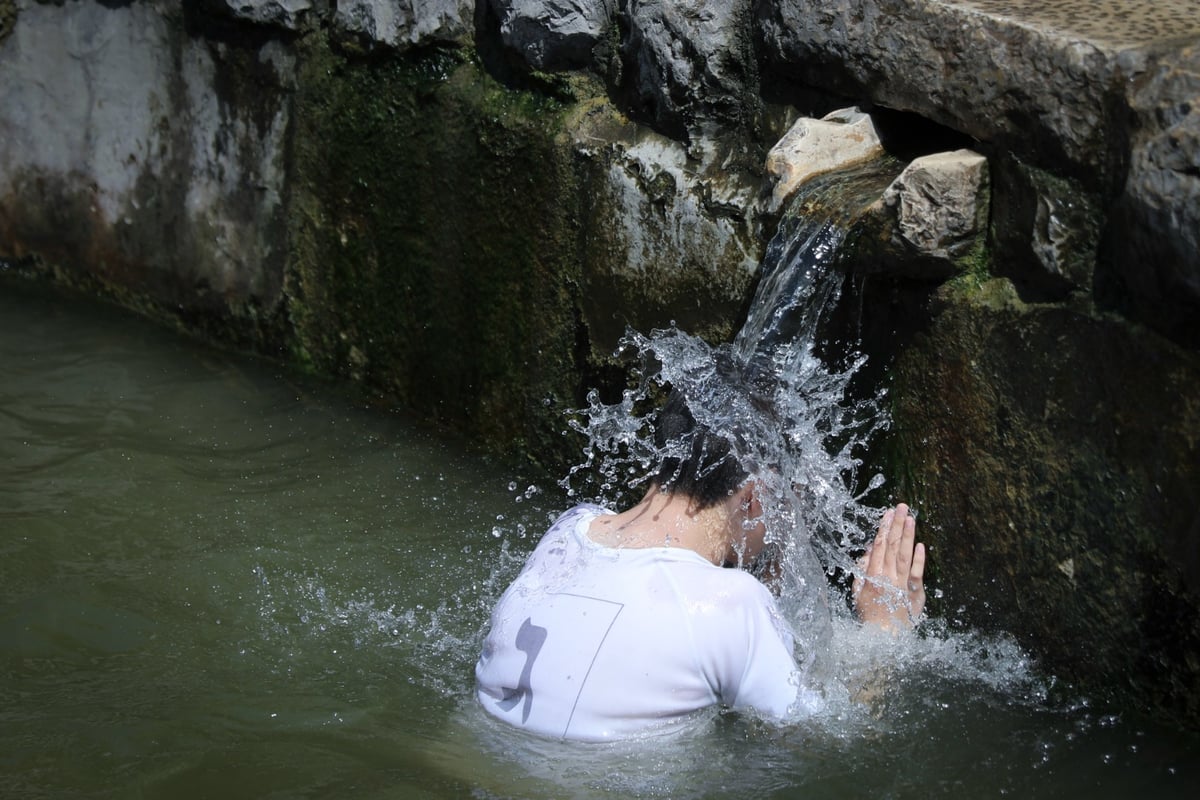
(434, 242)
(1051, 450)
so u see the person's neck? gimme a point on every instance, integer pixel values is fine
(665, 519)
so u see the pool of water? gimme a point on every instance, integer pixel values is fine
(217, 580)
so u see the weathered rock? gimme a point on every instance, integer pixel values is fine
(688, 63)
(1151, 257)
(554, 34)
(1053, 455)
(288, 14)
(401, 24)
(1094, 92)
(667, 236)
(435, 253)
(941, 203)
(120, 160)
(1040, 81)
(1045, 231)
(814, 146)
(8, 17)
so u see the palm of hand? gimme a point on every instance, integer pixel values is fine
(891, 592)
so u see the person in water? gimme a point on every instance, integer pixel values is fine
(623, 622)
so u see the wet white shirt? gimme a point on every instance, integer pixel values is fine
(593, 642)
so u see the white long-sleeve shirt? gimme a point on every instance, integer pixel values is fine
(594, 643)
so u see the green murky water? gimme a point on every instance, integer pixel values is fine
(217, 581)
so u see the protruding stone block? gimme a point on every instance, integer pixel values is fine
(813, 146)
(941, 203)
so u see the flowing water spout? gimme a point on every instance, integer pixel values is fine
(781, 403)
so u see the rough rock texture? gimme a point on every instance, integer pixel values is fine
(433, 241)
(1097, 92)
(687, 64)
(8, 17)
(554, 34)
(667, 236)
(989, 75)
(1054, 455)
(1045, 231)
(813, 146)
(287, 14)
(401, 24)
(941, 203)
(1152, 245)
(120, 160)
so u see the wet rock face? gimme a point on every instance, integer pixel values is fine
(120, 159)
(666, 237)
(1151, 258)
(688, 64)
(1045, 232)
(401, 24)
(554, 34)
(288, 14)
(1061, 503)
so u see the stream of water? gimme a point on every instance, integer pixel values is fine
(217, 580)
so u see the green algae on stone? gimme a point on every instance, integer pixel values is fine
(1057, 504)
(666, 234)
(433, 242)
(8, 18)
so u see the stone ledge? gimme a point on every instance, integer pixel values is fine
(1047, 81)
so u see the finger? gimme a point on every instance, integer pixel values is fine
(916, 583)
(878, 550)
(908, 540)
(916, 575)
(895, 534)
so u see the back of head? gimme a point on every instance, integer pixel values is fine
(697, 462)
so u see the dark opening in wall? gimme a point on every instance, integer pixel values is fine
(906, 135)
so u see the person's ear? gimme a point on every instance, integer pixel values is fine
(746, 495)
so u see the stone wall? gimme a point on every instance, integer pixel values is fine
(461, 205)
(139, 157)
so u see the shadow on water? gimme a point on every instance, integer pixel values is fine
(220, 581)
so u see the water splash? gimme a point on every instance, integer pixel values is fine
(782, 404)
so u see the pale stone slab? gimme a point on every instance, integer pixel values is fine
(811, 147)
(941, 202)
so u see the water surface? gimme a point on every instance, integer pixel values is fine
(217, 580)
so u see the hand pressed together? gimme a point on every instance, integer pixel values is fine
(891, 591)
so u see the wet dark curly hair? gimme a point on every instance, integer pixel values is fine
(706, 469)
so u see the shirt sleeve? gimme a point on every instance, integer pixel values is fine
(759, 666)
